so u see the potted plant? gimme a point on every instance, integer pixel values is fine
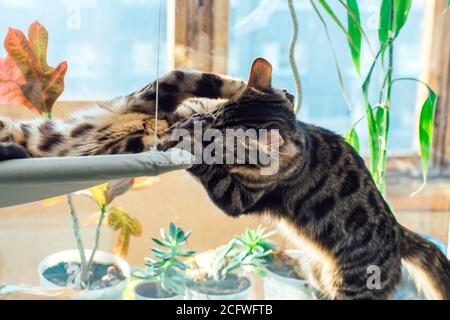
(165, 276)
(217, 275)
(285, 279)
(281, 272)
(102, 275)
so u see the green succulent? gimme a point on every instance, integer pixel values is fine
(166, 267)
(252, 250)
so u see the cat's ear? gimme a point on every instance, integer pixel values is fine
(261, 75)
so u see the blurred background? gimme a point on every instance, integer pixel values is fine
(111, 49)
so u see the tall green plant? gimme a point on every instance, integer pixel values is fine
(393, 17)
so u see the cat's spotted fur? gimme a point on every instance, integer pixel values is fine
(125, 125)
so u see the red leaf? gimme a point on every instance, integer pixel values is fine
(18, 47)
(42, 84)
(38, 36)
(11, 80)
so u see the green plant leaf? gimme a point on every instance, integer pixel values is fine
(173, 231)
(161, 243)
(333, 16)
(354, 30)
(163, 234)
(184, 253)
(393, 16)
(426, 125)
(352, 139)
(166, 267)
(158, 252)
(374, 145)
(338, 68)
(140, 274)
(385, 23)
(426, 128)
(401, 10)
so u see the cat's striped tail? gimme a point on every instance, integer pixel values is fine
(427, 265)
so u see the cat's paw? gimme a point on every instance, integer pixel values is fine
(290, 97)
(10, 151)
(203, 118)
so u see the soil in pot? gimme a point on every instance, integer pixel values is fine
(101, 276)
(286, 266)
(230, 285)
(153, 290)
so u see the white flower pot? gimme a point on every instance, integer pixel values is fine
(139, 292)
(277, 287)
(111, 293)
(195, 295)
(244, 295)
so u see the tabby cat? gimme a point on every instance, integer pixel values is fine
(323, 198)
(125, 125)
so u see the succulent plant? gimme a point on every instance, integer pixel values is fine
(252, 250)
(166, 267)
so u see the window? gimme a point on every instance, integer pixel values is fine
(111, 48)
(263, 28)
(108, 55)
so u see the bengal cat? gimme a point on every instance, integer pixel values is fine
(323, 198)
(125, 125)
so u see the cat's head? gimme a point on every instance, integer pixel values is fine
(259, 89)
(266, 109)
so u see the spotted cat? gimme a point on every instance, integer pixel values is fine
(124, 125)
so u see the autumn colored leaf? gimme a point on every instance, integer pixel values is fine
(42, 84)
(120, 187)
(99, 194)
(106, 193)
(120, 220)
(11, 81)
(117, 188)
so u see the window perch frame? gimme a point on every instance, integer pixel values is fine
(28, 180)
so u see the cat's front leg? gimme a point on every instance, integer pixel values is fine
(231, 196)
(179, 85)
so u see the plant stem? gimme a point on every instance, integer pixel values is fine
(76, 232)
(103, 211)
(386, 115)
(293, 63)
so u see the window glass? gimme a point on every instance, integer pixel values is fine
(263, 28)
(107, 54)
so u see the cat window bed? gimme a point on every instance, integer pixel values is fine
(28, 180)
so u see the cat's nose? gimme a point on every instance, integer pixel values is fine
(290, 97)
